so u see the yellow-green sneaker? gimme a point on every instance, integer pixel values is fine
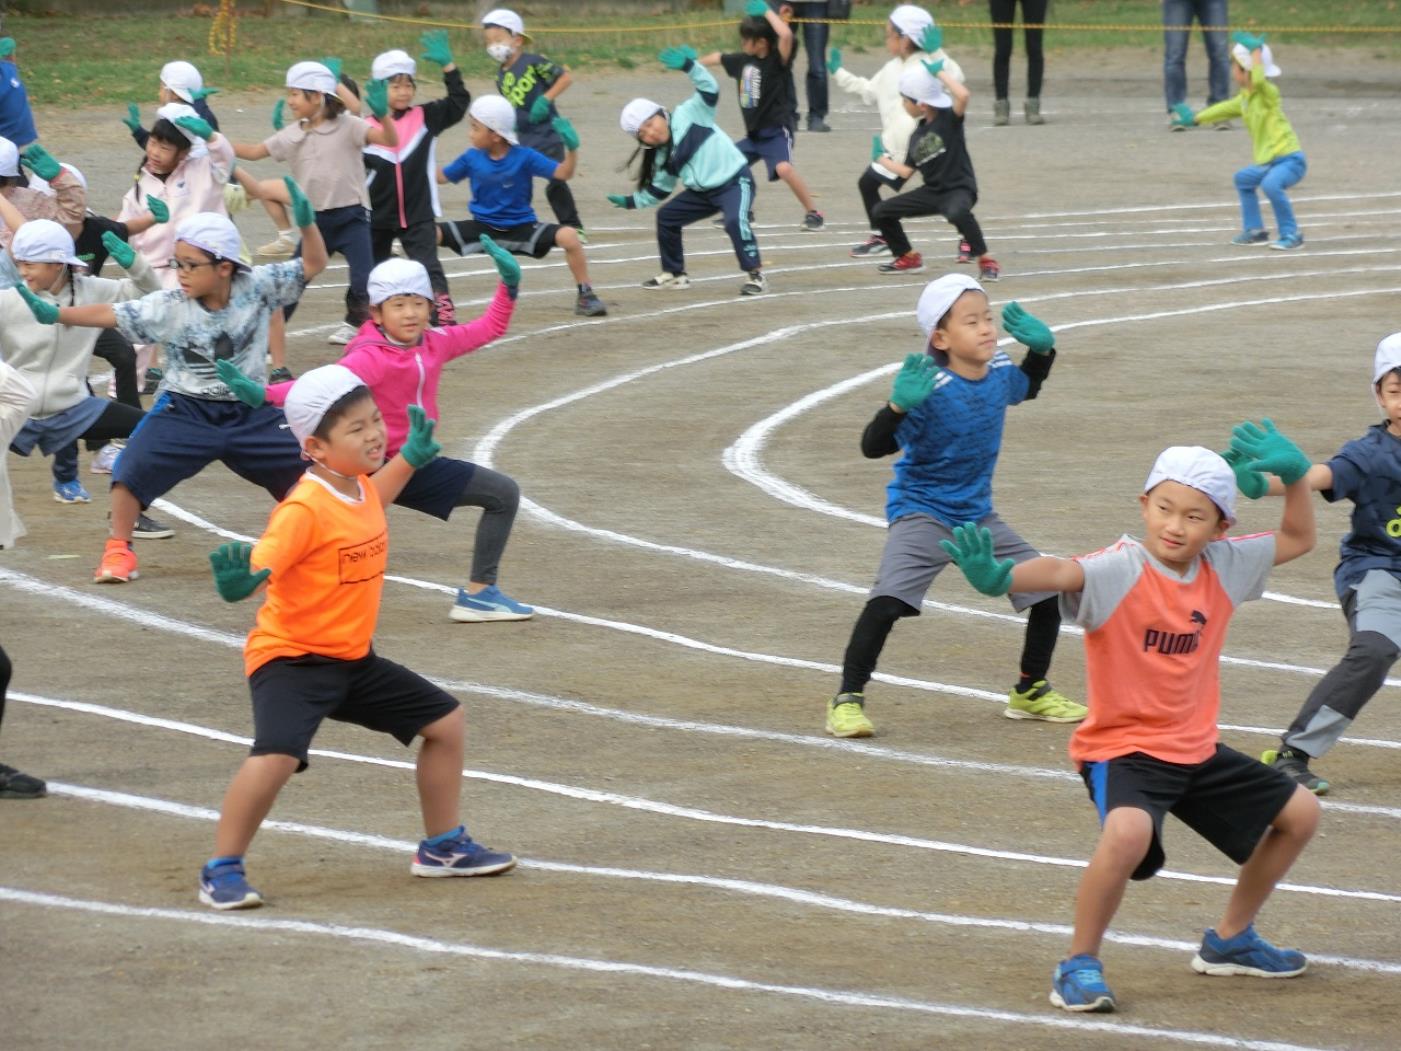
(1043, 702)
(846, 716)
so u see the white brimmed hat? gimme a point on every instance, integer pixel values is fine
(173, 111)
(1388, 357)
(939, 295)
(638, 112)
(182, 78)
(44, 241)
(394, 63)
(312, 394)
(1201, 469)
(1243, 59)
(917, 83)
(505, 19)
(911, 21)
(215, 234)
(311, 76)
(9, 157)
(497, 114)
(398, 277)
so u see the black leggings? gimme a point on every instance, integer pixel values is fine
(117, 421)
(5, 668)
(1033, 13)
(115, 349)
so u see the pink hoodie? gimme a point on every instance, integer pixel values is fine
(402, 376)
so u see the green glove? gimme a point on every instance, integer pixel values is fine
(539, 110)
(1182, 116)
(157, 208)
(1252, 483)
(303, 214)
(877, 148)
(334, 65)
(1031, 331)
(7, 46)
(1268, 451)
(232, 579)
(678, 57)
(617, 200)
(44, 313)
(756, 8)
(420, 446)
(506, 264)
(248, 391)
(196, 126)
(914, 382)
(933, 39)
(203, 93)
(971, 550)
(435, 47)
(935, 68)
(834, 60)
(377, 97)
(118, 249)
(40, 162)
(133, 117)
(1249, 41)
(277, 109)
(566, 132)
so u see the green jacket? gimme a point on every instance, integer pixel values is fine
(1258, 105)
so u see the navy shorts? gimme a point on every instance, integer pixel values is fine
(464, 236)
(180, 436)
(292, 695)
(436, 488)
(774, 146)
(1229, 800)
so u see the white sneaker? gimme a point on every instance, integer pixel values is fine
(755, 284)
(105, 458)
(342, 335)
(282, 245)
(235, 198)
(668, 280)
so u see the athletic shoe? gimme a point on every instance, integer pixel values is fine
(589, 305)
(583, 235)
(460, 856)
(1295, 765)
(342, 335)
(909, 263)
(1223, 125)
(873, 245)
(1251, 237)
(447, 313)
(846, 716)
(235, 198)
(668, 280)
(71, 492)
(1247, 953)
(491, 603)
(1001, 112)
(756, 284)
(813, 221)
(152, 380)
(15, 785)
(118, 563)
(965, 252)
(1044, 703)
(106, 457)
(148, 528)
(988, 270)
(283, 245)
(281, 374)
(1287, 244)
(226, 887)
(1077, 984)
(818, 124)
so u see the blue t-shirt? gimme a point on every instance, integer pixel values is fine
(16, 120)
(951, 442)
(1367, 471)
(501, 189)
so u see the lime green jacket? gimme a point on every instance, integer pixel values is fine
(1271, 134)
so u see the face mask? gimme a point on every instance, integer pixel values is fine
(499, 52)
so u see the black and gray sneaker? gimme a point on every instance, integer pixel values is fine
(1296, 766)
(589, 305)
(151, 381)
(15, 785)
(147, 528)
(813, 221)
(755, 284)
(281, 374)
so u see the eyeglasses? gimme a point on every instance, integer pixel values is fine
(185, 264)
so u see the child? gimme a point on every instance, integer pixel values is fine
(500, 172)
(531, 83)
(220, 312)
(13, 784)
(946, 413)
(1279, 160)
(400, 358)
(939, 153)
(1155, 614)
(687, 147)
(1367, 471)
(904, 36)
(762, 68)
(323, 149)
(403, 180)
(310, 656)
(66, 204)
(17, 398)
(179, 82)
(16, 118)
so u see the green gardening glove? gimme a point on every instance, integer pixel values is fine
(756, 8)
(834, 60)
(914, 382)
(7, 46)
(40, 162)
(1030, 331)
(377, 97)
(617, 200)
(539, 110)
(196, 126)
(277, 108)
(119, 250)
(506, 264)
(133, 117)
(420, 447)
(935, 68)
(933, 39)
(157, 208)
(1268, 451)
(678, 57)
(231, 564)
(203, 93)
(971, 550)
(436, 48)
(566, 132)
(877, 148)
(248, 391)
(44, 313)
(1249, 41)
(1252, 483)
(334, 65)
(303, 214)
(1182, 116)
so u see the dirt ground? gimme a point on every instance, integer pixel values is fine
(701, 867)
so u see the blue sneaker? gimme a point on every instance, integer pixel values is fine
(1251, 237)
(1246, 953)
(1078, 985)
(460, 856)
(224, 887)
(71, 492)
(491, 603)
(1285, 244)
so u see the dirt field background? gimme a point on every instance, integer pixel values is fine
(701, 867)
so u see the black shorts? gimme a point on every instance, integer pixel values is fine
(436, 487)
(464, 236)
(1229, 800)
(291, 695)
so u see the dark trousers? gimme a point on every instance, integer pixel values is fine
(115, 349)
(814, 40)
(420, 241)
(956, 206)
(117, 421)
(869, 186)
(560, 196)
(735, 199)
(5, 669)
(1033, 13)
(347, 231)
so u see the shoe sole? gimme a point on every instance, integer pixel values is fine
(1101, 1005)
(1017, 713)
(749, 290)
(251, 901)
(76, 500)
(860, 731)
(434, 871)
(902, 270)
(483, 616)
(152, 534)
(581, 312)
(1287, 248)
(112, 578)
(1224, 970)
(10, 793)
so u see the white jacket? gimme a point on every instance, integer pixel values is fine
(883, 89)
(17, 397)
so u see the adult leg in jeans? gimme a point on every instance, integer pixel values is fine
(1218, 49)
(1279, 176)
(1034, 14)
(1003, 11)
(815, 35)
(1176, 13)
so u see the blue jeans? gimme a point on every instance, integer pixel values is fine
(1274, 178)
(1218, 53)
(814, 41)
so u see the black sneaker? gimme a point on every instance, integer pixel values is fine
(817, 124)
(15, 785)
(813, 221)
(281, 374)
(589, 305)
(148, 528)
(1296, 765)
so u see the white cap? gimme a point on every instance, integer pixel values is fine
(637, 112)
(43, 241)
(1201, 469)
(82, 179)
(398, 277)
(497, 114)
(917, 83)
(312, 76)
(393, 64)
(172, 111)
(182, 78)
(939, 295)
(506, 19)
(312, 394)
(9, 157)
(911, 21)
(1388, 357)
(1242, 57)
(215, 234)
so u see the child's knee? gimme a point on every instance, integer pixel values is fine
(783, 170)
(567, 238)
(1127, 834)
(1299, 817)
(1247, 179)
(447, 728)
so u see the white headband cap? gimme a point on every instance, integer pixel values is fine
(44, 241)
(1198, 468)
(939, 295)
(182, 78)
(312, 76)
(637, 112)
(312, 394)
(215, 234)
(911, 21)
(497, 114)
(1388, 356)
(505, 19)
(82, 179)
(1243, 59)
(398, 277)
(9, 157)
(917, 83)
(394, 63)
(172, 111)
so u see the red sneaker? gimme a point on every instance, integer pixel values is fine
(965, 252)
(118, 563)
(988, 270)
(909, 263)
